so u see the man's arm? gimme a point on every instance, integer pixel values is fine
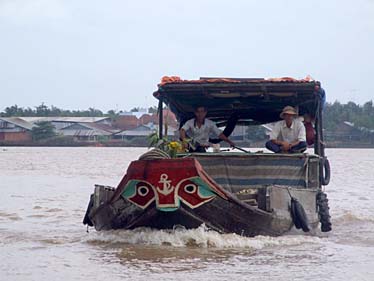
(183, 130)
(182, 134)
(301, 136)
(226, 139)
(275, 134)
(274, 137)
(220, 135)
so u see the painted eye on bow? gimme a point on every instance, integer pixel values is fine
(140, 193)
(143, 190)
(193, 194)
(190, 188)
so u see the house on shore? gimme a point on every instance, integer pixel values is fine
(347, 134)
(15, 129)
(141, 132)
(133, 128)
(84, 131)
(62, 122)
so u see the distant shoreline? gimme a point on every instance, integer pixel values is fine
(119, 144)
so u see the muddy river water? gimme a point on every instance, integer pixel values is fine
(44, 193)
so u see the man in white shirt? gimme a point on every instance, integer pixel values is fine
(288, 135)
(199, 129)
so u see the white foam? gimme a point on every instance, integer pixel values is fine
(199, 237)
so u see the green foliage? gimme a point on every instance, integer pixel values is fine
(361, 116)
(43, 130)
(334, 113)
(170, 147)
(43, 111)
(153, 109)
(135, 109)
(112, 114)
(155, 141)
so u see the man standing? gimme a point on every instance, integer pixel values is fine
(199, 129)
(288, 135)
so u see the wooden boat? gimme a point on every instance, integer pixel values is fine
(230, 192)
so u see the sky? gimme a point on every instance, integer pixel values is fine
(112, 54)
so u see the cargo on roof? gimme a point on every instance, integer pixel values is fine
(255, 100)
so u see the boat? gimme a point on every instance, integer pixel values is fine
(247, 193)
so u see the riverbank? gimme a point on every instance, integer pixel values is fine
(68, 142)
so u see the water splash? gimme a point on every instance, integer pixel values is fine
(200, 237)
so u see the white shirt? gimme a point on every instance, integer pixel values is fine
(201, 135)
(282, 133)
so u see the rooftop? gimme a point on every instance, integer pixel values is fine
(63, 119)
(255, 100)
(18, 122)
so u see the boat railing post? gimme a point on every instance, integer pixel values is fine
(160, 117)
(318, 144)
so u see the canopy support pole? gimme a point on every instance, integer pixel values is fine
(160, 118)
(319, 143)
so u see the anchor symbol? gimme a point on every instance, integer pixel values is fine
(167, 188)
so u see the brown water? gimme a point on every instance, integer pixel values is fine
(44, 194)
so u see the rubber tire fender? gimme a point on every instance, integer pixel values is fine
(299, 216)
(326, 174)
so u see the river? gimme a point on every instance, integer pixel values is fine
(45, 191)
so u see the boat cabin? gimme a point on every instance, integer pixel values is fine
(230, 192)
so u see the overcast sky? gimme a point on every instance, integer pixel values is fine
(111, 54)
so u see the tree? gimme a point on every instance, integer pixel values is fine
(43, 130)
(42, 110)
(112, 114)
(13, 110)
(153, 109)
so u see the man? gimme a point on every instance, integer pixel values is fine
(288, 135)
(199, 129)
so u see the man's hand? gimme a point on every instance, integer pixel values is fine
(185, 145)
(286, 146)
(226, 139)
(231, 143)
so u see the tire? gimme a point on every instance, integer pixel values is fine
(324, 211)
(299, 216)
(326, 171)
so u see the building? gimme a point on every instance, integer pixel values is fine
(142, 131)
(168, 118)
(62, 122)
(85, 131)
(347, 133)
(14, 129)
(126, 122)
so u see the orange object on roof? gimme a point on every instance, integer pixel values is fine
(177, 80)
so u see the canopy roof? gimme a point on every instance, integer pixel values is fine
(255, 100)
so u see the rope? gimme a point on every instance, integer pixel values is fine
(154, 154)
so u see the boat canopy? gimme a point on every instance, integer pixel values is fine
(253, 100)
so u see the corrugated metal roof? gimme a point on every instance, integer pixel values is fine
(92, 129)
(171, 132)
(64, 119)
(101, 127)
(18, 122)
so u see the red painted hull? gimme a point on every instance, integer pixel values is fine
(168, 192)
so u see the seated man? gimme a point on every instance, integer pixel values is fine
(199, 129)
(288, 135)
